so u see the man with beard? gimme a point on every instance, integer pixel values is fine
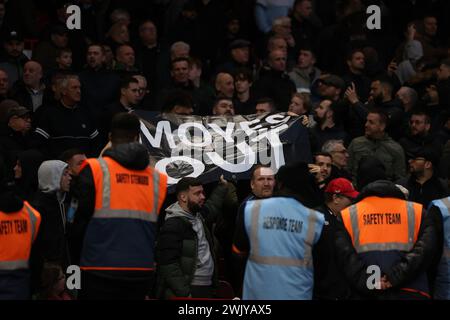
(187, 264)
(381, 96)
(423, 184)
(419, 135)
(13, 60)
(330, 87)
(327, 127)
(323, 161)
(223, 107)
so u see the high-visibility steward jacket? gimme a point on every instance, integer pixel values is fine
(382, 230)
(282, 233)
(442, 282)
(121, 234)
(18, 230)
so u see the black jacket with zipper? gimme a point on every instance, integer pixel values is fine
(417, 261)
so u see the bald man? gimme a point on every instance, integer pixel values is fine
(30, 91)
(125, 57)
(224, 85)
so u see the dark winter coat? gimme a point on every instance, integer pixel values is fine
(416, 261)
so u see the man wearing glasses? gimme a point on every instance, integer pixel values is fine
(423, 183)
(144, 100)
(339, 157)
(419, 135)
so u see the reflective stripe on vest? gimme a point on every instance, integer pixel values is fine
(106, 212)
(307, 261)
(106, 184)
(386, 246)
(33, 221)
(123, 205)
(155, 193)
(442, 280)
(127, 214)
(14, 265)
(446, 251)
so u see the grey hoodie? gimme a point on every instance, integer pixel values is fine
(406, 69)
(49, 175)
(205, 264)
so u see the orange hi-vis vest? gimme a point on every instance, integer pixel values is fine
(18, 230)
(122, 232)
(386, 225)
(383, 224)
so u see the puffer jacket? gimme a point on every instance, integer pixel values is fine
(417, 261)
(177, 246)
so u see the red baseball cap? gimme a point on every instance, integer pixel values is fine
(343, 187)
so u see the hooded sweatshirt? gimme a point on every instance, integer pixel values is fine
(50, 174)
(205, 264)
(413, 52)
